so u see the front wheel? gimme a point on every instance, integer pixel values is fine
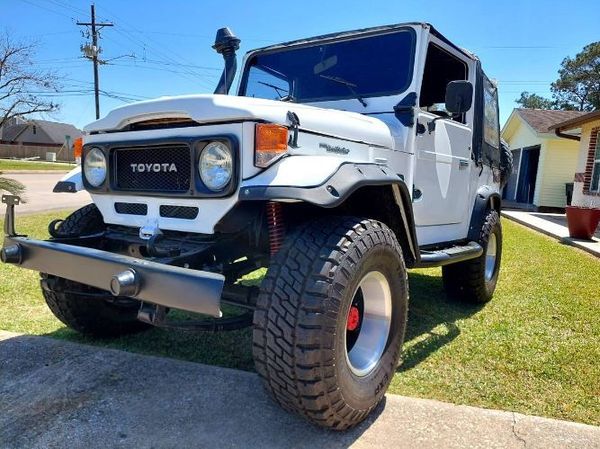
(330, 320)
(474, 281)
(85, 309)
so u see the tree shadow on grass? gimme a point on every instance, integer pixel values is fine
(231, 349)
(429, 309)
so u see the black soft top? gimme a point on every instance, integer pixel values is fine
(370, 30)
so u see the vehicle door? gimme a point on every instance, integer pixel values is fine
(443, 145)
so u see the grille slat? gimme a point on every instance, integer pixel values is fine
(131, 208)
(165, 168)
(183, 212)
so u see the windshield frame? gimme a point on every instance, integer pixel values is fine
(248, 63)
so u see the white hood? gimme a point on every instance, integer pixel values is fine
(207, 109)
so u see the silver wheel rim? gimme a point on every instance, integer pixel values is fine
(368, 345)
(490, 257)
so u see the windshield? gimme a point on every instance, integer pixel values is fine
(370, 66)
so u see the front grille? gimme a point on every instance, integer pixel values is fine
(165, 168)
(183, 212)
(131, 208)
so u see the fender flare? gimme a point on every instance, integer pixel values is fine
(347, 179)
(72, 182)
(485, 199)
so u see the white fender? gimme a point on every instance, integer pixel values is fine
(72, 182)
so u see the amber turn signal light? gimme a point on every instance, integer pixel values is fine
(271, 141)
(78, 147)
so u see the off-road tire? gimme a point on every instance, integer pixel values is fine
(299, 344)
(466, 281)
(90, 315)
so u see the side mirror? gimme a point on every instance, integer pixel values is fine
(459, 96)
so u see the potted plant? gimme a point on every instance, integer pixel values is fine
(583, 220)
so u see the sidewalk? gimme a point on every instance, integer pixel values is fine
(553, 225)
(59, 394)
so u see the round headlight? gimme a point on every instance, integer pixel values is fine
(94, 167)
(215, 166)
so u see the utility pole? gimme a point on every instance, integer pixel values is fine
(94, 51)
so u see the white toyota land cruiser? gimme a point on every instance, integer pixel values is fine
(343, 160)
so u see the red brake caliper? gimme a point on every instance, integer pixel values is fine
(353, 319)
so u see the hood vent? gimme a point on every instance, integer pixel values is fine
(161, 124)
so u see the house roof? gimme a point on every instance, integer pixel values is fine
(541, 120)
(577, 121)
(55, 131)
(11, 133)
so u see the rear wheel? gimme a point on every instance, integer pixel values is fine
(83, 308)
(475, 280)
(330, 320)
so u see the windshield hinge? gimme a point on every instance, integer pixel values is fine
(405, 111)
(294, 126)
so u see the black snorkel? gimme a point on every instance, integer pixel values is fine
(226, 44)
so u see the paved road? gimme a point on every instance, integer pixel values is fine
(57, 394)
(39, 194)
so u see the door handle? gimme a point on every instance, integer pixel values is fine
(463, 163)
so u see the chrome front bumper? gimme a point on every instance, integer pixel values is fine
(152, 282)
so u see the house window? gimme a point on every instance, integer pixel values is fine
(594, 187)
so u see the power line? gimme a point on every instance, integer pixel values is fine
(166, 56)
(93, 51)
(67, 6)
(159, 69)
(29, 2)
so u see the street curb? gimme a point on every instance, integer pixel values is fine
(56, 392)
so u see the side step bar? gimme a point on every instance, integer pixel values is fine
(454, 254)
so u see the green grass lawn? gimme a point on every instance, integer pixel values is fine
(535, 348)
(10, 164)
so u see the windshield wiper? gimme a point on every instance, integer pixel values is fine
(349, 85)
(286, 97)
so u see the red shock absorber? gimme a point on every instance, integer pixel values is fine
(276, 226)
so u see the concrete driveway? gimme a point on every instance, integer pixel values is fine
(56, 394)
(39, 196)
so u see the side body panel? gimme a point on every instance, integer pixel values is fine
(447, 174)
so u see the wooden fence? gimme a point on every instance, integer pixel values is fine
(63, 153)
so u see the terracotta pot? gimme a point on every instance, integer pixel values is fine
(582, 222)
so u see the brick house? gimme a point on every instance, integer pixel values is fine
(587, 176)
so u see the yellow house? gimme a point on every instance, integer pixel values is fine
(543, 162)
(587, 175)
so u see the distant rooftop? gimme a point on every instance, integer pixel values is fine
(541, 120)
(49, 132)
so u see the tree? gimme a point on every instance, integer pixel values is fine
(11, 186)
(578, 85)
(22, 86)
(534, 101)
(21, 89)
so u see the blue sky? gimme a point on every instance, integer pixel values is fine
(163, 48)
